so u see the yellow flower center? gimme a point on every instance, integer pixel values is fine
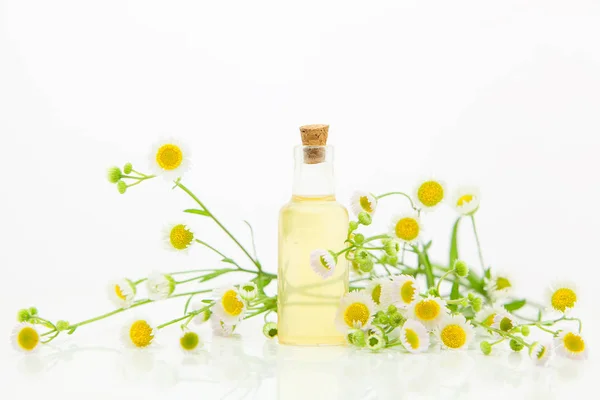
(28, 338)
(324, 263)
(231, 304)
(356, 312)
(181, 237)
(489, 320)
(563, 298)
(506, 324)
(365, 204)
(169, 157)
(453, 336)
(502, 283)
(376, 294)
(430, 193)
(119, 292)
(427, 310)
(467, 198)
(407, 292)
(189, 341)
(541, 352)
(141, 333)
(412, 338)
(407, 229)
(574, 343)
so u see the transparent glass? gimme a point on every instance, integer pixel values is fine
(313, 219)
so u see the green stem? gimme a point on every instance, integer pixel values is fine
(189, 315)
(345, 250)
(437, 288)
(193, 196)
(502, 333)
(140, 281)
(427, 265)
(399, 193)
(478, 243)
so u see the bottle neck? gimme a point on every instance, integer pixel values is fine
(313, 172)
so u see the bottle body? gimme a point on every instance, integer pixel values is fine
(308, 303)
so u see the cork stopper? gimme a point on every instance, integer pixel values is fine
(314, 135)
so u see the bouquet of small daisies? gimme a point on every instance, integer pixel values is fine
(399, 297)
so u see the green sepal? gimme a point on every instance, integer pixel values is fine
(196, 211)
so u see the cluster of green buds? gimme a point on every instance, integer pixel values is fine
(377, 336)
(120, 177)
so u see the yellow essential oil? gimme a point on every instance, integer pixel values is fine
(312, 220)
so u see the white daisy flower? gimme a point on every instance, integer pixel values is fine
(486, 316)
(363, 201)
(178, 237)
(248, 291)
(169, 158)
(406, 228)
(562, 296)
(401, 291)
(376, 288)
(504, 321)
(229, 306)
(160, 286)
(356, 310)
(541, 354)
(25, 337)
(466, 200)
(429, 311)
(414, 336)
(121, 292)
(139, 333)
(190, 341)
(571, 344)
(375, 342)
(202, 317)
(221, 328)
(429, 194)
(323, 262)
(499, 285)
(455, 332)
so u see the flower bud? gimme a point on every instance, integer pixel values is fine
(366, 266)
(392, 247)
(461, 268)
(356, 337)
(113, 174)
(476, 304)
(359, 238)
(486, 348)
(364, 218)
(360, 256)
(392, 309)
(270, 330)
(23, 315)
(121, 186)
(127, 168)
(375, 342)
(352, 226)
(515, 345)
(392, 260)
(33, 311)
(396, 319)
(62, 325)
(525, 330)
(470, 296)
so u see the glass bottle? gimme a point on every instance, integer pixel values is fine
(313, 219)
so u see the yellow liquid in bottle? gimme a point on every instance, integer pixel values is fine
(307, 303)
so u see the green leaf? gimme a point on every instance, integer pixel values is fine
(228, 260)
(213, 275)
(454, 243)
(515, 305)
(71, 331)
(195, 211)
(262, 281)
(455, 293)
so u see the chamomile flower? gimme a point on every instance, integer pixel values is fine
(571, 344)
(221, 328)
(401, 291)
(25, 337)
(375, 342)
(229, 306)
(466, 200)
(139, 333)
(190, 341)
(561, 296)
(363, 201)
(429, 194)
(121, 292)
(406, 228)
(414, 336)
(499, 285)
(541, 354)
(178, 237)
(248, 291)
(323, 262)
(504, 321)
(429, 311)
(486, 316)
(356, 310)
(375, 288)
(455, 332)
(203, 316)
(169, 158)
(160, 286)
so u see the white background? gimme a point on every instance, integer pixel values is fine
(503, 95)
